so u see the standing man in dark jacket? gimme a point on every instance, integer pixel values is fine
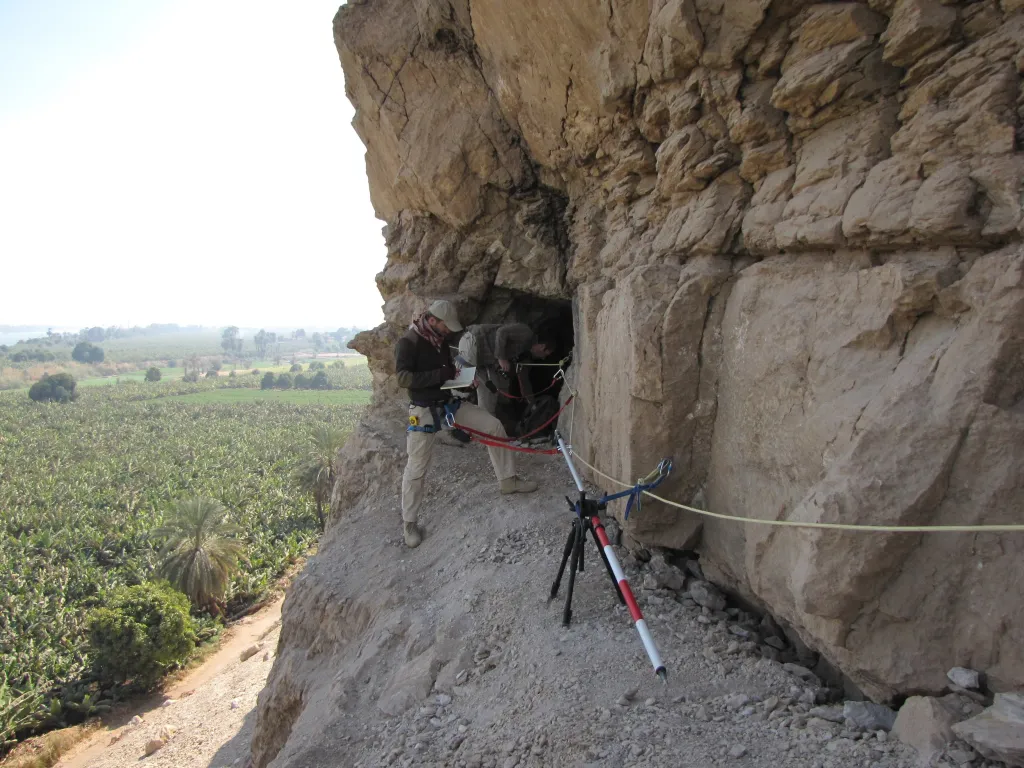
(423, 362)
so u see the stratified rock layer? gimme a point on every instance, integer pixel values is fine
(792, 235)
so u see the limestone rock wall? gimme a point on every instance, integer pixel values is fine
(792, 235)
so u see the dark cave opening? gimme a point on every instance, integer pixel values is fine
(548, 318)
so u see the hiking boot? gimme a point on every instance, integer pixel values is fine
(412, 535)
(516, 484)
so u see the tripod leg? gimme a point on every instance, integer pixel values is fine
(607, 565)
(565, 558)
(577, 551)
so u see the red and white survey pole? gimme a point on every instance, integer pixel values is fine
(587, 520)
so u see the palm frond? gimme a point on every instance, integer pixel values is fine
(200, 552)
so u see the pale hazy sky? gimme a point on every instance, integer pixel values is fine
(186, 161)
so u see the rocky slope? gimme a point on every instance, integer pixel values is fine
(791, 233)
(791, 236)
(448, 655)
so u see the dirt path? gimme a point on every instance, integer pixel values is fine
(211, 708)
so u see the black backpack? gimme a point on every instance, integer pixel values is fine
(544, 409)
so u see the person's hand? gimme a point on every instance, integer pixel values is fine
(505, 365)
(447, 372)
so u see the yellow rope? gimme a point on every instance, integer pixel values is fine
(799, 524)
(790, 523)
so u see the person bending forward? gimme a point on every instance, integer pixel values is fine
(495, 351)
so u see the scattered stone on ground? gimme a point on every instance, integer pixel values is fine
(453, 656)
(964, 678)
(925, 723)
(998, 732)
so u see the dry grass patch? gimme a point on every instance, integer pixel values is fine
(44, 751)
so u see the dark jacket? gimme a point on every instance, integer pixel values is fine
(421, 368)
(511, 341)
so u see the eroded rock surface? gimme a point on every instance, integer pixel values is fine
(792, 236)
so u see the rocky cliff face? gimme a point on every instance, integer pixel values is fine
(791, 233)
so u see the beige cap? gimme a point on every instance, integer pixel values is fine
(445, 312)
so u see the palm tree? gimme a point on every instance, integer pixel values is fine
(200, 553)
(316, 473)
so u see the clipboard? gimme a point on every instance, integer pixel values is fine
(463, 380)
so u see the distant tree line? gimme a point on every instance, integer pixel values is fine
(84, 352)
(31, 356)
(318, 379)
(97, 334)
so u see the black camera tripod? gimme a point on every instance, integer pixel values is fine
(585, 512)
(586, 519)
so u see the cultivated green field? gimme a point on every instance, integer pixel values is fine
(298, 396)
(138, 349)
(166, 373)
(83, 485)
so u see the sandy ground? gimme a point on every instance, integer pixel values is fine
(211, 708)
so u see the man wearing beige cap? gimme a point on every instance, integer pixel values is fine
(423, 362)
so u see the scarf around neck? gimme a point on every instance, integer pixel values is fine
(422, 327)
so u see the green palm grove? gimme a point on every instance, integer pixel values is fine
(202, 551)
(315, 475)
(130, 484)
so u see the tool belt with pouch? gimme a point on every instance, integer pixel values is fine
(442, 413)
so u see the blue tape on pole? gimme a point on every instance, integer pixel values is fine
(634, 493)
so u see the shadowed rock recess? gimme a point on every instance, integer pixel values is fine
(791, 235)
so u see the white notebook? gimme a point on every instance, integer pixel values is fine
(462, 381)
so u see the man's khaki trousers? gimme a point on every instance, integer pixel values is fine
(419, 444)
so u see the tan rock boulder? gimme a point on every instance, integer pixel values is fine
(439, 159)
(675, 40)
(879, 211)
(926, 724)
(766, 210)
(916, 28)
(660, 313)
(998, 732)
(917, 438)
(943, 207)
(728, 27)
(834, 67)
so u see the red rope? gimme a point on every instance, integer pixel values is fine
(507, 447)
(541, 428)
(517, 397)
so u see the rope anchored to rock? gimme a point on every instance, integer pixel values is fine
(645, 487)
(509, 443)
(808, 524)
